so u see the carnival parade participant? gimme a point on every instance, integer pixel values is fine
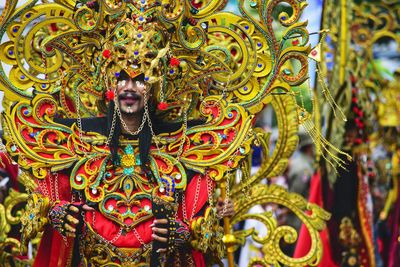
(65, 215)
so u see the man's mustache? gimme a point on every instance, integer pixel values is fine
(131, 95)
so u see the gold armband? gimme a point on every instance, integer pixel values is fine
(207, 234)
(34, 218)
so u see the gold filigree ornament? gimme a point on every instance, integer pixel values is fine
(34, 218)
(207, 234)
(10, 216)
(311, 215)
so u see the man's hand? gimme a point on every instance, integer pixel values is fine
(71, 221)
(63, 218)
(160, 232)
(225, 208)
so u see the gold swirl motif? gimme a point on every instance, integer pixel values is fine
(207, 234)
(34, 218)
(272, 166)
(214, 156)
(44, 144)
(100, 254)
(273, 254)
(10, 217)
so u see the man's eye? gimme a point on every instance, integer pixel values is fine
(139, 84)
(121, 83)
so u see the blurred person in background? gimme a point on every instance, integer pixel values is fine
(301, 166)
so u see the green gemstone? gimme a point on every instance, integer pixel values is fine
(287, 72)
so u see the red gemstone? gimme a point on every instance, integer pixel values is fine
(53, 27)
(174, 62)
(295, 42)
(162, 106)
(110, 95)
(314, 53)
(106, 53)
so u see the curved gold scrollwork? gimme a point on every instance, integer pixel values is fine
(10, 216)
(311, 215)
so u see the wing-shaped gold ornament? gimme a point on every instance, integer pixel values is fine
(274, 165)
(243, 56)
(41, 145)
(251, 191)
(220, 143)
(26, 28)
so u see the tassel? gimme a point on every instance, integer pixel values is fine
(328, 95)
(316, 55)
(323, 145)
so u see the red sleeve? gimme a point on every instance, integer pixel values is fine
(52, 251)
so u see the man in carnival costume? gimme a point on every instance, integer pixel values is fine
(134, 133)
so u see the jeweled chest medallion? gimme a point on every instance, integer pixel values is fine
(129, 160)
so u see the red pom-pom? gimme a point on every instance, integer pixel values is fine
(162, 106)
(110, 95)
(174, 62)
(358, 141)
(106, 53)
